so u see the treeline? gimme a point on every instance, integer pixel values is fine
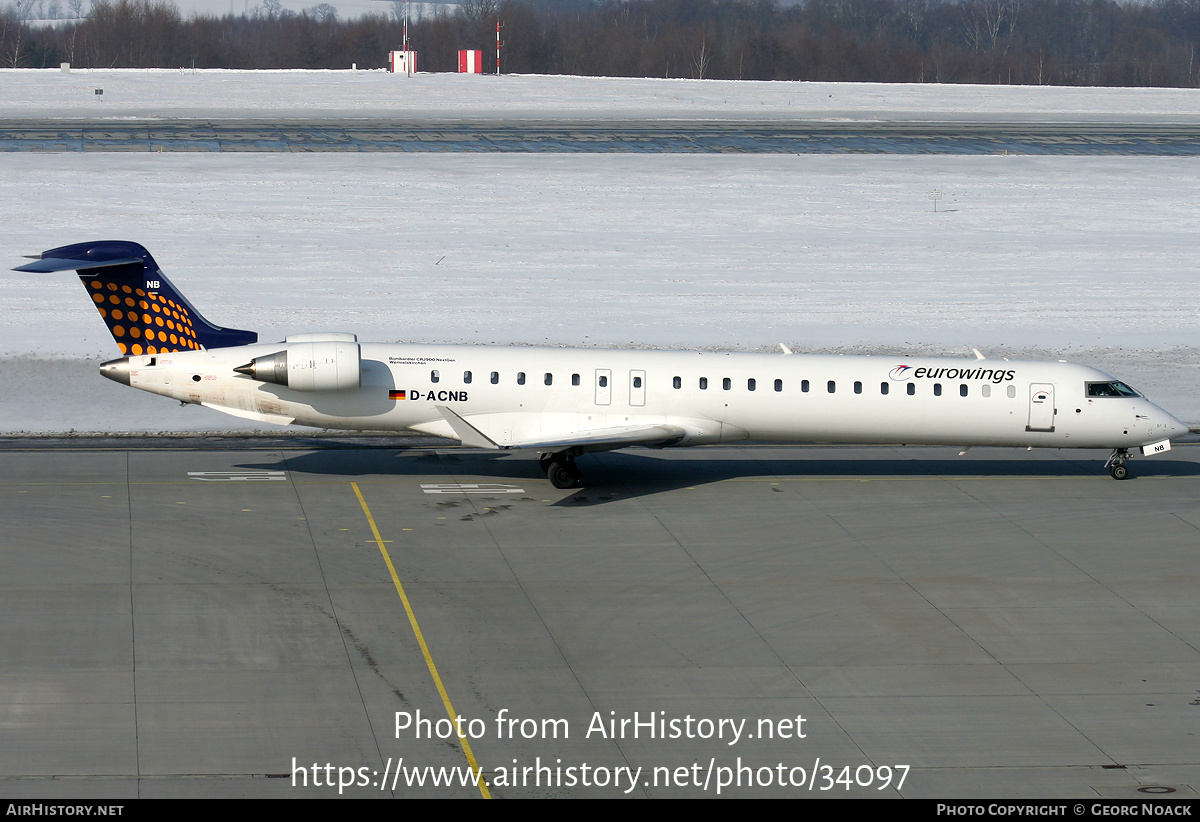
(1053, 42)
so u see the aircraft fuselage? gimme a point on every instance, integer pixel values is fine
(518, 394)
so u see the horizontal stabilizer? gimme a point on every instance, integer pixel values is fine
(46, 265)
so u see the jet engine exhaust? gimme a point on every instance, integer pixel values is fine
(272, 368)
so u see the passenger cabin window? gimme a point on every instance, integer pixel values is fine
(804, 386)
(857, 387)
(495, 378)
(520, 378)
(467, 377)
(704, 383)
(1012, 392)
(574, 379)
(751, 384)
(677, 382)
(549, 379)
(831, 386)
(726, 383)
(962, 389)
(987, 390)
(434, 376)
(778, 385)
(937, 389)
(912, 389)
(883, 388)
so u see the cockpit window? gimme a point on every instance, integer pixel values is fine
(1110, 389)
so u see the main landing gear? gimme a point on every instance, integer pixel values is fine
(1116, 463)
(561, 470)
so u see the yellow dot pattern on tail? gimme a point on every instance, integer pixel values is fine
(143, 322)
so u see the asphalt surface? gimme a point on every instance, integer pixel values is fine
(206, 619)
(797, 137)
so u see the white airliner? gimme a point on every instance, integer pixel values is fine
(564, 402)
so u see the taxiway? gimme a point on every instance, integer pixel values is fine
(204, 618)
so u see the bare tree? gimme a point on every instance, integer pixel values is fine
(702, 58)
(324, 12)
(985, 21)
(18, 27)
(479, 11)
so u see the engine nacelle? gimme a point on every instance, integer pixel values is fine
(309, 366)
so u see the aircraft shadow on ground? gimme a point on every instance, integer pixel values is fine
(610, 475)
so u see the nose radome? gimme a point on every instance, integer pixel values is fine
(1176, 427)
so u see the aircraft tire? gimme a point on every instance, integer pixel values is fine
(562, 475)
(1118, 471)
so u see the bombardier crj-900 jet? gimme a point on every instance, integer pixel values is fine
(563, 402)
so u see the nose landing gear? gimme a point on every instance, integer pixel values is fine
(1116, 464)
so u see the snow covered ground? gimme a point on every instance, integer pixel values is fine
(1091, 259)
(243, 94)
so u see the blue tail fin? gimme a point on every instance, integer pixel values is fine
(145, 313)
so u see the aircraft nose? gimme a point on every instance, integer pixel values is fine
(1177, 427)
(116, 370)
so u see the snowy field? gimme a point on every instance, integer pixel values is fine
(128, 93)
(1092, 259)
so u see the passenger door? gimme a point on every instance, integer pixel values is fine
(1041, 407)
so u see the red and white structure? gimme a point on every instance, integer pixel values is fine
(470, 62)
(402, 62)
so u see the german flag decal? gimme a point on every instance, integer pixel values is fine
(396, 395)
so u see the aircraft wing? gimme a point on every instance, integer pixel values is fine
(273, 419)
(597, 439)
